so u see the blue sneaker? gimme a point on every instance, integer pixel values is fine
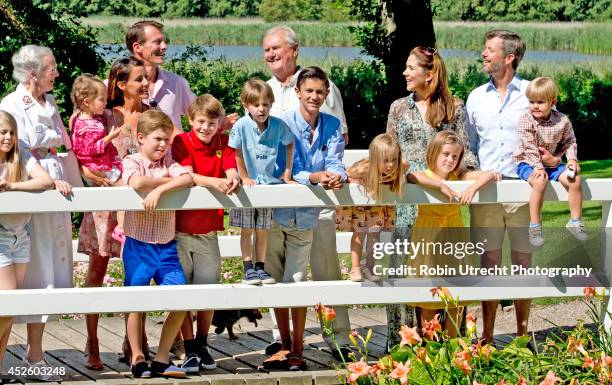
(265, 277)
(251, 277)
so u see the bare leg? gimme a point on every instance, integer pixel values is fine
(282, 320)
(134, 333)
(489, 308)
(574, 190)
(8, 281)
(298, 318)
(186, 328)
(521, 306)
(95, 276)
(34, 351)
(171, 327)
(261, 245)
(356, 250)
(246, 244)
(536, 199)
(204, 320)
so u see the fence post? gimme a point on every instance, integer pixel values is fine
(606, 222)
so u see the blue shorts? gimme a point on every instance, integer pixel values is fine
(144, 261)
(524, 170)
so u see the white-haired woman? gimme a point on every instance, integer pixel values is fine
(41, 131)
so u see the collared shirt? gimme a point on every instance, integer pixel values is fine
(493, 124)
(173, 95)
(38, 126)
(285, 99)
(556, 135)
(260, 148)
(321, 151)
(213, 160)
(151, 226)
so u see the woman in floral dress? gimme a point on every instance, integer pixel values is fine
(414, 120)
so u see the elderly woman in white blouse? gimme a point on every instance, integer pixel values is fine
(41, 131)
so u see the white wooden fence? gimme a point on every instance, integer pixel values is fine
(96, 300)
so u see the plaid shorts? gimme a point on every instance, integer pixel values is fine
(251, 218)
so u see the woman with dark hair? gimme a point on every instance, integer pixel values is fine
(414, 120)
(126, 90)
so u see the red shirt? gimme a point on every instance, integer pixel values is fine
(207, 160)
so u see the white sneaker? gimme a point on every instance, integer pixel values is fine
(41, 371)
(577, 230)
(536, 238)
(191, 364)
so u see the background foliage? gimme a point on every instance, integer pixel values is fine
(334, 10)
(21, 24)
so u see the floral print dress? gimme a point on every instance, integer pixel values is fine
(414, 133)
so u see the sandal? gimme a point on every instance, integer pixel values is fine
(92, 352)
(296, 362)
(118, 235)
(277, 361)
(141, 370)
(355, 274)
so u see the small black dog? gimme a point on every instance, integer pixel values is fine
(225, 319)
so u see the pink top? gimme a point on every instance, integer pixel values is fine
(88, 144)
(155, 226)
(172, 95)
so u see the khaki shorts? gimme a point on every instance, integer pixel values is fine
(288, 253)
(200, 257)
(488, 223)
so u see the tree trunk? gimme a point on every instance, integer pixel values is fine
(408, 24)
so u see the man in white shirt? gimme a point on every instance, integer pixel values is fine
(493, 112)
(280, 45)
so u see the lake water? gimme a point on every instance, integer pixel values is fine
(239, 52)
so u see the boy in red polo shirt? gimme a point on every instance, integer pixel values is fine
(205, 153)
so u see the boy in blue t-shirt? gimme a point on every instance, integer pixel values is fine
(257, 138)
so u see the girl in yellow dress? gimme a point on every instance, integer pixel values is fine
(385, 153)
(439, 226)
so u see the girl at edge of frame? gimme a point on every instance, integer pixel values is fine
(19, 171)
(442, 223)
(385, 153)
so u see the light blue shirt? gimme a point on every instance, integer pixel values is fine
(323, 154)
(260, 149)
(493, 124)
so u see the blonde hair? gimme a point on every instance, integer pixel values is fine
(441, 107)
(152, 120)
(256, 90)
(542, 88)
(435, 147)
(383, 146)
(206, 105)
(85, 86)
(12, 157)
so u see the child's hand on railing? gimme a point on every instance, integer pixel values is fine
(151, 200)
(248, 182)
(449, 192)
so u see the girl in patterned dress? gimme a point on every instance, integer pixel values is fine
(441, 224)
(385, 153)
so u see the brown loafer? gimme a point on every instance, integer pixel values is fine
(277, 361)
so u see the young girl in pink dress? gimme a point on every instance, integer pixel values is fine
(100, 232)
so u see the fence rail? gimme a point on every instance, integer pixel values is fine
(93, 300)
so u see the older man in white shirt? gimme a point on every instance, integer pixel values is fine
(493, 112)
(280, 46)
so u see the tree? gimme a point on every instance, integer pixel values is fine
(73, 45)
(391, 29)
